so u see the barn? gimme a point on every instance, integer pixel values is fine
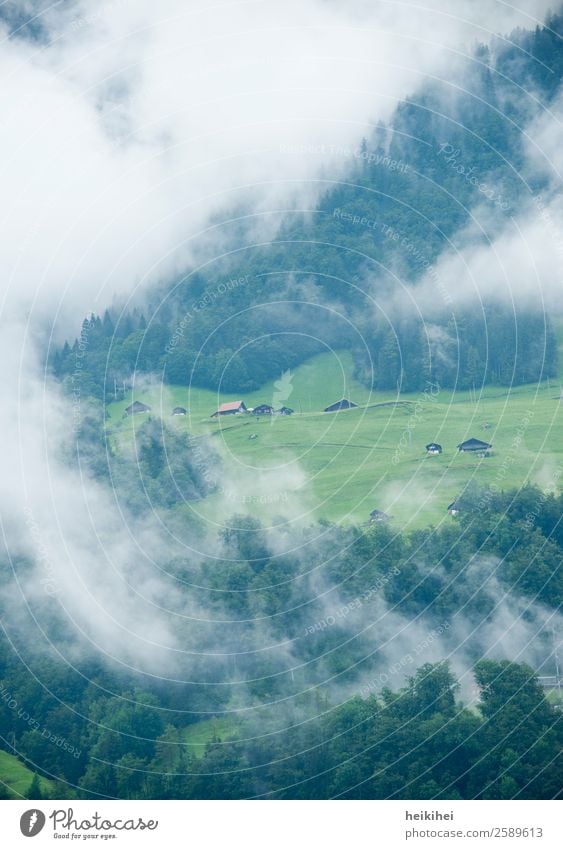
(433, 448)
(285, 411)
(377, 517)
(343, 404)
(474, 446)
(263, 410)
(137, 407)
(179, 411)
(230, 408)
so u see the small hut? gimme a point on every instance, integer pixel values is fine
(453, 508)
(137, 407)
(433, 448)
(263, 410)
(285, 411)
(378, 517)
(179, 411)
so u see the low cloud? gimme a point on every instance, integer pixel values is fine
(127, 129)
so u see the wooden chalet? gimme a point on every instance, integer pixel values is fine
(433, 448)
(230, 408)
(263, 410)
(137, 407)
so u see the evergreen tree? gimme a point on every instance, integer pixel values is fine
(34, 789)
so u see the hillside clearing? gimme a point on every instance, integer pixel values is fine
(17, 777)
(197, 736)
(340, 466)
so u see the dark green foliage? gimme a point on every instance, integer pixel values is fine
(415, 743)
(520, 734)
(34, 789)
(165, 469)
(405, 200)
(113, 734)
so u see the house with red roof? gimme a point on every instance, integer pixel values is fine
(230, 408)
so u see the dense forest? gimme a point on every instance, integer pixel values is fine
(406, 196)
(328, 715)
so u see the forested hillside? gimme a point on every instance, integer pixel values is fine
(403, 197)
(316, 637)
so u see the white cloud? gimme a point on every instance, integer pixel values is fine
(131, 124)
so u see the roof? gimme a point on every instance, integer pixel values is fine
(433, 445)
(343, 404)
(474, 443)
(179, 410)
(138, 405)
(229, 405)
(379, 514)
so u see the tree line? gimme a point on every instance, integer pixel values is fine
(354, 729)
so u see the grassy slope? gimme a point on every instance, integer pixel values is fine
(314, 385)
(17, 777)
(198, 735)
(340, 466)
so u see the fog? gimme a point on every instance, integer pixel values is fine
(127, 129)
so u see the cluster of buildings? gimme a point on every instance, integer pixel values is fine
(233, 408)
(470, 446)
(230, 408)
(138, 407)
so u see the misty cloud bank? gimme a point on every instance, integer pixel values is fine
(128, 130)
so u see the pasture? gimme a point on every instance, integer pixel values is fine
(16, 777)
(341, 466)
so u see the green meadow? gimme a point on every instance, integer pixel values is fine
(16, 777)
(197, 736)
(341, 466)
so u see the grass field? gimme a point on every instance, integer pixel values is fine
(17, 777)
(198, 735)
(341, 466)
